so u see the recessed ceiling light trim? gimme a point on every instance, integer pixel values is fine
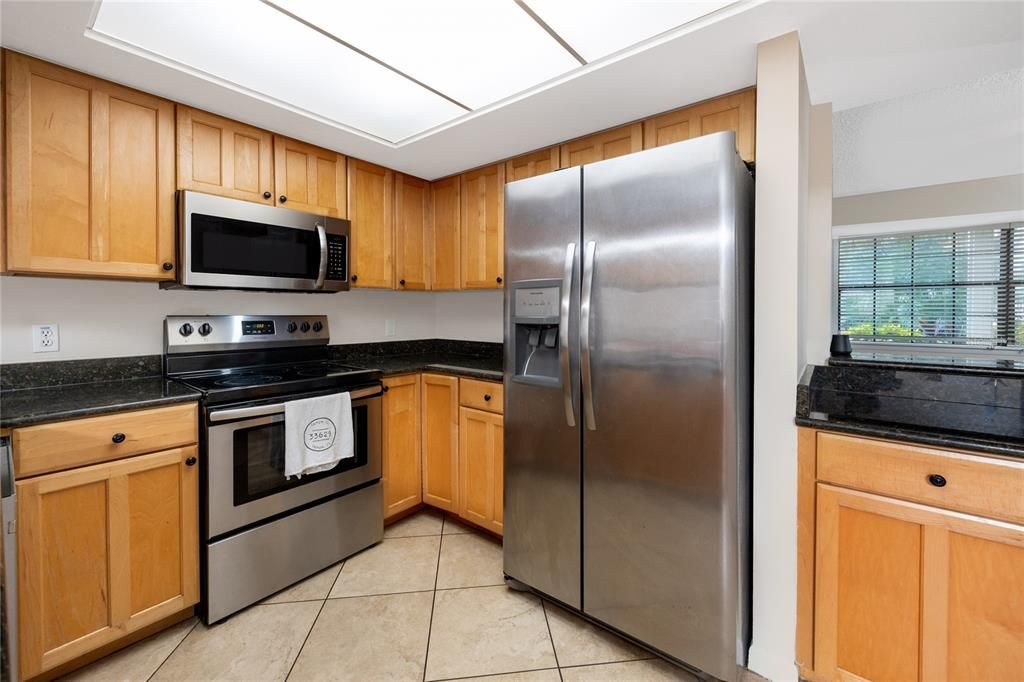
(328, 34)
(554, 34)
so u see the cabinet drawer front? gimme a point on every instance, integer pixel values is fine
(64, 445)
(483, 395)
(976, 484)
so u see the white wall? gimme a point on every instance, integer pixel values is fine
(109, 319)
(962, 132)
(783, 138)
(816, 269)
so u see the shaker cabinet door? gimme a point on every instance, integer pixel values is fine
(445, 208)
(401, 475)
(483, 227)
(219, 156)
(412, 233)
(440, 395)
(371, 211)
(481, 463)
(309, 178)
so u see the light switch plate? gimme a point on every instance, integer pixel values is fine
(45, 338)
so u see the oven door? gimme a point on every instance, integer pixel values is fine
(239, 244)
(245, 456)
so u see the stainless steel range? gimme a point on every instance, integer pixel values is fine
(261, 531)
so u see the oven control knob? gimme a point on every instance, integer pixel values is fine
(292, 327)
(185, 329)
(205, 329)
(317, 326)
(305, 326)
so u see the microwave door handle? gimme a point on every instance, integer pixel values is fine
(322, 273)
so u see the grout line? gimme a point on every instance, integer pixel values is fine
(507, 672)
(547, 624)
(376, 594)
(190, 630)
(306, 638)
(433, 600)
(467, 587)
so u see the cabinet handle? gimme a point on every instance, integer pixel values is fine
(487, 397)
(499, 280)
(168, 265)
(267, 195)
(117, 437)
(937, 480)
(355, 277)
(191, 461)
(401, 282)
(282, 198)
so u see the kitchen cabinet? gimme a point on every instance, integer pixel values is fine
(445, 211)
(899, 577)
(529, 165)
(482, 227)
(370, 208)
(440, 395)
(219, 156)
(105, 550)
(481, 468)
(401, 475)
(309, 178)
(90, 175)
(412, 233)
(605, 145)
(732, 112)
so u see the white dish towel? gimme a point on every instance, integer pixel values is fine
(318, 433)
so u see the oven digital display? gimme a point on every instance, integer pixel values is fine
(256, 327)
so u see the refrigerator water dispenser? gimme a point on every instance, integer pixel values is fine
(535, 331)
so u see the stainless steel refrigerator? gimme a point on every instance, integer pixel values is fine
(628, 331)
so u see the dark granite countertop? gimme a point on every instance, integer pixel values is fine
(21, 407)
(488, 369)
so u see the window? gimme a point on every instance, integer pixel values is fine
(962, 287)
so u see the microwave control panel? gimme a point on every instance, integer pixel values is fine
(337, 257)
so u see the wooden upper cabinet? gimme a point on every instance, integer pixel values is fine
(482, 226)
(90, 169)
(371, 211)
(412, 232)
(104, 551)
(445, 209)
(401, 474)
(309, 178)
(529, 165)
(606, 145)
(219, 156)
(440, 396)
(732, 112)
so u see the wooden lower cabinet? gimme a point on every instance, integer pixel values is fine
(400, 474)
(481, 465)
(104, 551)
(894, 589)
(440, 395)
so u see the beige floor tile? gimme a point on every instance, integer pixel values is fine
(395, 565)
(469, 560)
(137, 662)
(550, 675)
(258, 644)
(578, 642)
(487, 630)
(420, 523)
(654, 670)
(315, 587)
(452, 526)
(368, 638)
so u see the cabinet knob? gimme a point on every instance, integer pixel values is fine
(487, 397)
(168, 265)
(282, 198)
(499, 280)
(267, 195)
(937, 480)
(191, 461)
(401, 282)
(117, 437)
(355, 277)
(385, 389)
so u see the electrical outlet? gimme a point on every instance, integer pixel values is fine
(389, 327)
(45, 338)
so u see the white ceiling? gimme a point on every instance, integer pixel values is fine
(484, 85)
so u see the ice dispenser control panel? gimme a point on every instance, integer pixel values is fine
(535, 331)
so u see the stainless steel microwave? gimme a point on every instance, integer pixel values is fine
(233, 244)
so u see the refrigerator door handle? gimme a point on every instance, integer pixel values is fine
(588, 288)
(563, 336)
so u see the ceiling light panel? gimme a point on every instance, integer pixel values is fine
(475, 51)
(259, 49)
(597, 28)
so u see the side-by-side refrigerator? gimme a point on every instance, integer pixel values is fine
(628, 332)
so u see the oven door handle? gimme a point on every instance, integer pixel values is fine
(321, 275)
(278, 408)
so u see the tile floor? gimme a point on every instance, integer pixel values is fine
(427, 603)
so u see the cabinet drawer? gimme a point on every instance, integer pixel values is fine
(74, 443)
(483, 395)
(976, 484)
